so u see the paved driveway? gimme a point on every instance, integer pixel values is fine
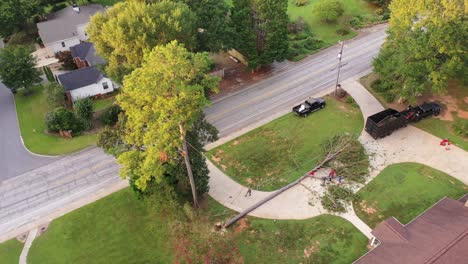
(14, 158)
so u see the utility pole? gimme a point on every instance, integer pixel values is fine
(340, 55)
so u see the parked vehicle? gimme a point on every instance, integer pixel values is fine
(309, 106)
(385, 122)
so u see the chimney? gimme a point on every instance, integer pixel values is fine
(76, 8)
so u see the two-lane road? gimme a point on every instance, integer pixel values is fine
(37, 194)
(14, 158)
(294, 83)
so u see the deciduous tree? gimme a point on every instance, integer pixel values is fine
(15, 13)
(127, 30)
(17, 68)
(161, 101)
(426, 46)
(262, 30)
(328, 10)
(214, 29)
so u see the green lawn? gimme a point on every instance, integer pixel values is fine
(32, 110)
(331, 239)
(435, 126)
(101, 104)
(122, 229)
(10, 251)
(404, 191)
(279, 152)
(324, 31)
(115, 229)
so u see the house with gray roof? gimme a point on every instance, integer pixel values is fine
(67, 27)
(85, 82)
(84, 55)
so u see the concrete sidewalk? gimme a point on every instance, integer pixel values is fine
(302, 201)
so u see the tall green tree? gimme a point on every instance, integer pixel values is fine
(262, 33)
(15, 13)
(426, 46)
(127, 30)
(328, 10)
(17, 68)
(214, 29)
(162, 100)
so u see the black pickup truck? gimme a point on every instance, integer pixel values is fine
(309, 106)
(385, 122)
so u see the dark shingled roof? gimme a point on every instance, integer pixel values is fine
(439, 235)
(80, 78)
(86, 51)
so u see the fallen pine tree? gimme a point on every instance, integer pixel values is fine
(343, 152)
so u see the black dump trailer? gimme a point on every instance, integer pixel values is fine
(385, 122)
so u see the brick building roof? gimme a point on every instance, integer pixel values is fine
(439, 235)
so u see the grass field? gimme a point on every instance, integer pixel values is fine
(327, 238)
(10, 251)
(279, 152)
(101, 104)
(121, 229)
(404, 191)
(32, 110)
(435, 126)
(115, 229)
(324, 31)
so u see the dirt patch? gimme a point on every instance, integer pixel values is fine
(216, 159)
(235, 143)
(250, 181)
(311, 250)
(367, 209)
(242, 224)
(224, 167)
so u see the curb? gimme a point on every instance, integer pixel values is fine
(21, 136)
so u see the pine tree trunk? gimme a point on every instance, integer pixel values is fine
(187, 163)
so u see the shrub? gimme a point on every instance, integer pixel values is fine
(62, 119)
(460, 127)
(48, 73)
(297, 26)
(342, 31)
(110, 116)
(84, 109)
(55, 95)
(57, 7)
(301, 2)
(328, 10)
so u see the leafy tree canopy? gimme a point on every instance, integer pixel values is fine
(17, 68)
(15, 13)
(426, 46)
(127, 30)
(167, 91)
(262, 30)
(328, 10)
(214, 30)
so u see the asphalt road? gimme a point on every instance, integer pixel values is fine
(41, 192)
(14, 158)
(294, 83)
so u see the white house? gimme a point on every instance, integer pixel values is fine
(66, 28)
(85, 82)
